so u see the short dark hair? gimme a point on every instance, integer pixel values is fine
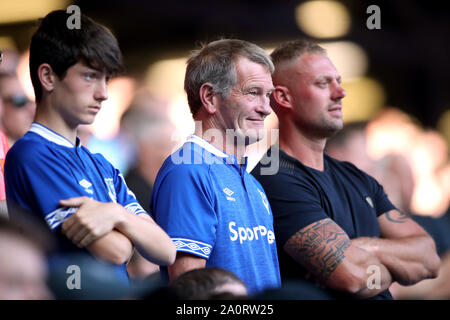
(293, 49)
(23, 225)
(54, 43)
(204, 284)
(215, 63)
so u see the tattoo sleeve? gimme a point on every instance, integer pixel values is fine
(397, 216)
(319, 247)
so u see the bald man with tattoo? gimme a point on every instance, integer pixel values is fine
(334, 223)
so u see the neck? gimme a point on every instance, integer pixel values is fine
(305, 148)
(149, 170)
(11, 141)
(48, 117)
(208, 131)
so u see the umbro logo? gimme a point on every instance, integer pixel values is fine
(86, 185)
(229, 194)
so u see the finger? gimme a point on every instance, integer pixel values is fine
(78, 237)
(74, 229)
(69, 222)
(74, 202)
(87, 240)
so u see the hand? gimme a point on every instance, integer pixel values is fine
(92, 221)
(367, 243)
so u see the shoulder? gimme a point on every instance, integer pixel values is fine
(184, 171)
(26, 148)
(286, 172)
(349, 173)
(179, 180)
(345, 167)
(187, 162)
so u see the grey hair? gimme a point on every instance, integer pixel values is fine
(215, 63)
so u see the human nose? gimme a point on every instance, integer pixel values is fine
(101, 91)
(339, 92)
(264, 107)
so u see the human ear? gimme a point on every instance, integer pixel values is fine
(47, 77)
(208, 98)
(281, 96)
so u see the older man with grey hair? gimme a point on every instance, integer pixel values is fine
(215, 212)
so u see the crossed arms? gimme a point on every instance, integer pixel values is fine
(405, 253)
(109, 231)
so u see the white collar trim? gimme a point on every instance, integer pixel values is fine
(206, 145)
(50, 135)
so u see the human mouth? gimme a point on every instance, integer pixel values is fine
(257, 122)
(336, 110)
(95, 109)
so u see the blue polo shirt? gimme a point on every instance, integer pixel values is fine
(43, 168)
(212, 208)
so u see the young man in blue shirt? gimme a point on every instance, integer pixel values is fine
(333, 222)
(216, 213)
(81, 196)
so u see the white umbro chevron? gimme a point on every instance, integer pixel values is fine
(86, 185)
(228, 192)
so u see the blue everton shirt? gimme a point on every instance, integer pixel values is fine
(212, 208)
(43, 168)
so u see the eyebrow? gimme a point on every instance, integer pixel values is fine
(97, 71)
(259, 88)
(328, 78)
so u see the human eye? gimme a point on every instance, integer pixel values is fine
(253, 91)
(269, 93)
(322, 83)
(89, 76)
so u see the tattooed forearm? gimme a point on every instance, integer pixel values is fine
(319, 247)
(397, 216)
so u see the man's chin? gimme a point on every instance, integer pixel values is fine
(243, 138)
(254, 135)
(333, 130)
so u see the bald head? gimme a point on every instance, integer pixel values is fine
(308, 92)
(288, 53)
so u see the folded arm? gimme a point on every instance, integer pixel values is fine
(184, 263)
(404, 248)
(109, 232)
(150, 240)
(326, 251)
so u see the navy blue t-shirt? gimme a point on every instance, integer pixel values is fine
(300, 195)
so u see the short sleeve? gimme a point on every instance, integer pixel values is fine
(382, 203)
(295, 203)
(119, 189)
(35, 180)
(183, 205)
